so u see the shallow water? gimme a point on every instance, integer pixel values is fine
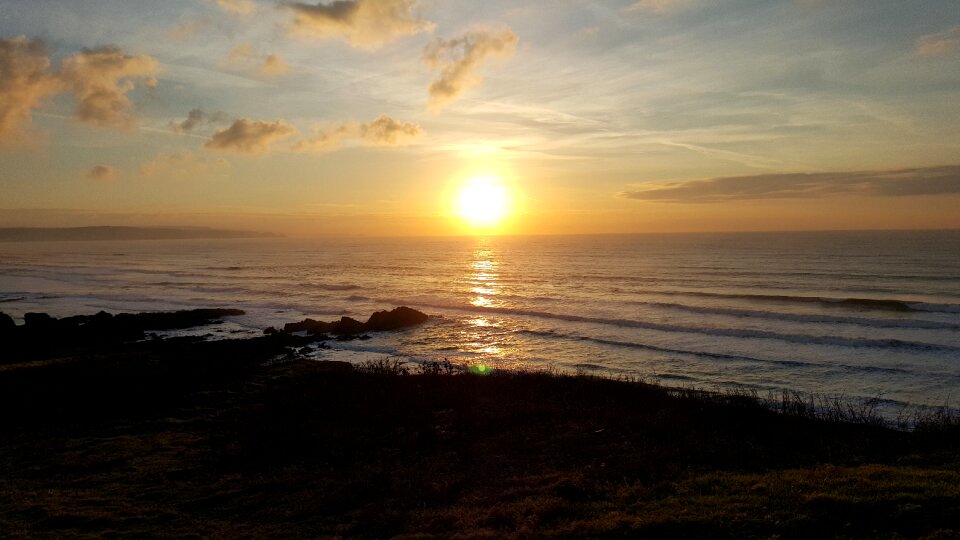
(863, 315)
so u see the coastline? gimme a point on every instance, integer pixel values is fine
(168, 437)
(700, 312)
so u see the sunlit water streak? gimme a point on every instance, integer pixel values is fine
(858, 314)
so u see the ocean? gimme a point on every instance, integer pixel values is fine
(861, 315)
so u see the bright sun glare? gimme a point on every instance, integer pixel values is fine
(483, 202)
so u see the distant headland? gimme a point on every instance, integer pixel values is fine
(45, 234)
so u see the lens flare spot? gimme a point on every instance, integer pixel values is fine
(480, 369)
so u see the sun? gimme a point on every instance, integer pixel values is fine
(483, 202)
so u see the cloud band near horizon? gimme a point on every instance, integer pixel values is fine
(943, 180)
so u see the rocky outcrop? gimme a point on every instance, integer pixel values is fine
(41, 334)
(7, 325)
(309, 326)
(397, 318)
(38, 320)
(348, 327)
(380, 321)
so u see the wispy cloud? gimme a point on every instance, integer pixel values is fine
(894, 183)
(660, 7)
(101, 79)
(240, 55)
(384, 131)
(240, 7)
(324, 139)
(273, 66)
(366, 24)
(250, 136)
(940, 43)
(25, 81)
(101, 173)
(182, 165)
(726, 155)
(457, 61)
(187, 29)
(244, 57)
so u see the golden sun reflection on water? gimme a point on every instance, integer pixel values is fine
(483, 339)
(482, 276)
(482, 322)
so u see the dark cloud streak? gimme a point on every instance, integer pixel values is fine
(895, 183)
(246, 136)
(197, 118)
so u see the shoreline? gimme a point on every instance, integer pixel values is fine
(179, 436)
(546, 303)
(327, 341)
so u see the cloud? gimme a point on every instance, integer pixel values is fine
(895, 183)
(458, 59)
(101, 79)
(98, 78)
(366, 24)
(240, 56)
(384, 131)
(273, 66)
(939, 44)
(188, 29)
(244, 57)
(388, 132)
(25, 81)
(196, 118)
(325, 139)
(182, 165)
(250, 136)
(239, 7)
(101, 172)
(660, 7)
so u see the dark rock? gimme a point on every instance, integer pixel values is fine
(42, 336)
(397, 318)
(310, 326)
(302, 326)
(102, 321)
(380, 321)
(174, 320)
(348, 327)
(38, 320)
(269, 331)
(7, 325)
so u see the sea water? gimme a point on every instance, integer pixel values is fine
(863, 315)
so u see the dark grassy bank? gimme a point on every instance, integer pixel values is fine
(178, 437)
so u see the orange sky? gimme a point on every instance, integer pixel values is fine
(595, 116)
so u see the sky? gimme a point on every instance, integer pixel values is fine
(368, 117)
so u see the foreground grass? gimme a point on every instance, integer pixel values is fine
(215, 444)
